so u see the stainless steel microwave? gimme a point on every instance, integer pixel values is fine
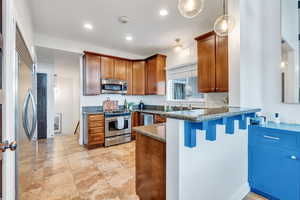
(112, 86)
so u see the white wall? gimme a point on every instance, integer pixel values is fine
(190, 171)
(67, 89)
(78, 47)
(64, 90)
(24, 21)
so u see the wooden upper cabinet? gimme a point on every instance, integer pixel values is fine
(151, 86)
(91, 75)
(129, 77)
(222, 64)
(146, 76)
(107, 68)
(138, 78)
(156, 75)
(212, 63)
(120, 68)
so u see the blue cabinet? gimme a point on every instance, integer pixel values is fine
(274, 161)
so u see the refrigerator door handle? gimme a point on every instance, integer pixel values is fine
(34, 116)
(29, 132)
(25, 115)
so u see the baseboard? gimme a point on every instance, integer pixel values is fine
(241, 192)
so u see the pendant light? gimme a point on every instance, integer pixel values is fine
(190, 8)
(178, 46)
(225, 23)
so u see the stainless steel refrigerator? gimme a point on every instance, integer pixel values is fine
(27, 151)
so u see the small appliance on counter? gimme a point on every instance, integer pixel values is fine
(141, 105)
(109, 105)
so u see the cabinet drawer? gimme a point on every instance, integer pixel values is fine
(273, 138)
(96, 138)
(96, 130)
(95, 124)
(96, 118)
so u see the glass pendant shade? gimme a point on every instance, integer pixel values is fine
(190, 8)
(224, 25)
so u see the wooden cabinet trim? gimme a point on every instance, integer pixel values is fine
(205, 36)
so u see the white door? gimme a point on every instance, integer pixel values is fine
(13, 102)
(9, 75)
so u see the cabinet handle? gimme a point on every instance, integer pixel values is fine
(270, 137)
(294, 157)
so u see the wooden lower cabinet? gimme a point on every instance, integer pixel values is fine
(150, 168)
(96, 129)
(135, 118)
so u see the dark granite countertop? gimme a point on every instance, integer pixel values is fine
(155, 131)
(207, 114)
(196, 114)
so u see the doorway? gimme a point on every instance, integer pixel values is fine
(41, 105)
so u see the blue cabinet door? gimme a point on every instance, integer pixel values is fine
(275, 172)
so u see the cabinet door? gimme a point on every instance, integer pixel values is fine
(274, 171)
(206, 64)
(91, 74)
(120, 69)
(135, 118)
(151, 78)
(138, 79)
(95, 130)
(222, 64)
(161, 75)
(129, 77)
(107, 68)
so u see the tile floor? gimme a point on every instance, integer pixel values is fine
(67, 171)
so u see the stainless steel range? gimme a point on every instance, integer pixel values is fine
(117, 127)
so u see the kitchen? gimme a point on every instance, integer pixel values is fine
(150, 100)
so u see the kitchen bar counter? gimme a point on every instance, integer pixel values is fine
(207, 114)
(196, 114)
(155, 131)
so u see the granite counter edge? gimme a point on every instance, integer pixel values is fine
(148, 134)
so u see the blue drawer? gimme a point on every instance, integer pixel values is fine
(273, 137)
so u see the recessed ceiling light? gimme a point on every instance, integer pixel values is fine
(88, 26)
(163, 12)
(128, 38)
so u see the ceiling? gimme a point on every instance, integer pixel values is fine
(151, 32)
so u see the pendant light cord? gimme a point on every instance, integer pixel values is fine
(224, 7)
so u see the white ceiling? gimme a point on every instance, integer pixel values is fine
(151, 32)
